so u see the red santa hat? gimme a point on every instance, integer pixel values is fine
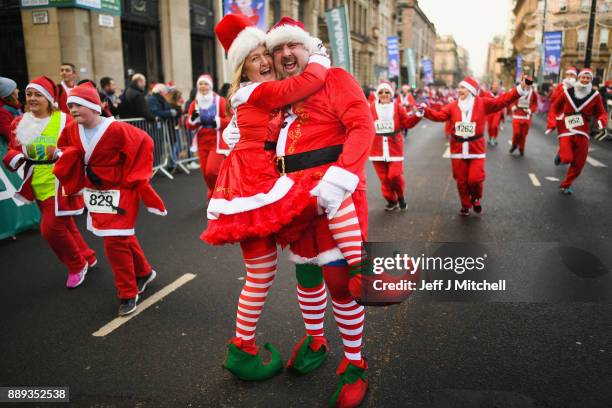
(238, 36)
(571, 70)
(85, 95)
(384, 85)
(207, 79)
(290, 30)
(586, 71)
(46, 87)
(470, 84)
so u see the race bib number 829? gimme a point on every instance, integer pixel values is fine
(101, 201)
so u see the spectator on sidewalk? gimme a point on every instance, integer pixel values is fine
(135, 105)
(108, 95)
(157, 103)
(10, 107)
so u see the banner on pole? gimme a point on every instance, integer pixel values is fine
(255, 10)
(519, 68)
(428, 74)
(393, 59)
(553, 41)
(340, 37)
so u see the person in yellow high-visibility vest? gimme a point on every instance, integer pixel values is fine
(33, 144)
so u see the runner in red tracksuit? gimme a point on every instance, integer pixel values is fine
(522, 111)
(467, 144)
(387, 153)
(575, 110)
(495, 118)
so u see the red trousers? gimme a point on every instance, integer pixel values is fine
(210, 162)
(574, 150)
(493, 124)
(64, 238)
(127, 261)
(469, 175)
(391, 176)
(520, 128)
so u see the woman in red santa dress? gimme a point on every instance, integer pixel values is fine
(251, 201)
(207, 116)
(387, 153)
(571, 114)
(112, 163)
(33, 145)
(522, 111)
(467, 143)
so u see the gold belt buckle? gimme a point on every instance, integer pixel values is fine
(281, 159)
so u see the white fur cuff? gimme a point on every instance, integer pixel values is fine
(341, 178)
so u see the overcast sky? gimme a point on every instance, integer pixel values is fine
(473, 23)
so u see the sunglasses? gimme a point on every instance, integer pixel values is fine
(384, 92)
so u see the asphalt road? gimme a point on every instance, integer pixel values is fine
(540, 346)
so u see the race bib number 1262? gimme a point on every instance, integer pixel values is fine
(101, 201)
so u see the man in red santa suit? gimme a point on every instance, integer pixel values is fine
(575, 109)
(326, 138)
(467, 144)
(68, 74)
(111, 162)
(493, 119)
(387, 153)
(571, 75)
(207, 116)
(405, 98)
(522, 111)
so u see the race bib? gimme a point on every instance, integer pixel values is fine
(523, 104)
(384, 127)
(573, 121)
(465, 129)
(103, 202)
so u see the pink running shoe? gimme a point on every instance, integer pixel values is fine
(76, 279)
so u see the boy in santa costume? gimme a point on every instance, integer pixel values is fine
(33, 145)
(387, 153)
(575, 109)
(467, 144)
(522, 111)
(111, 162)
(207, 116)
(326, 138)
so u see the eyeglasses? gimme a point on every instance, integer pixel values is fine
(384, 93)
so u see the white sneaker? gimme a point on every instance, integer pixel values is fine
(193, 166)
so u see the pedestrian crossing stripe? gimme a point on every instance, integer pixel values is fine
(595, 163)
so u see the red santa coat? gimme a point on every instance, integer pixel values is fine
(119, 158)
(569, 111)
(390, 147)
(62, 96)
(525, 106)
(405, 101)
(212, 137)
(474, 149)
(17, 155)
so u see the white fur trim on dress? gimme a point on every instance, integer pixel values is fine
(245, 42)
(218, 206)
(243, 94)
(342, 178)
(42, 90)
(84, 102)
(108, 232)
(321, 259)
(157, 211)
(30, 128)
(291, 34)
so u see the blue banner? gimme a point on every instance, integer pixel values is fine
(393, 57)
(427, 67)
(255, 10)
(553, 41)
(519, 68)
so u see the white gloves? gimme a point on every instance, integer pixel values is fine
(420, 110)
(329, 196)
(231, 134)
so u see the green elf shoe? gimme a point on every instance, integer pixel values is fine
(308, 355)
(245, 362)
(353, 384)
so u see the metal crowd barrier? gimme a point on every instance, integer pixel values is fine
(171, 141)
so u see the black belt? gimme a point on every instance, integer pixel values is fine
(269, 145)
(30, 161)
(467, 139)
(308, 160)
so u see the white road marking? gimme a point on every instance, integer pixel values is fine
(447, 153)
(552, 179)
(595, 163)
(534, 180)
(423, 126)
(148, 302)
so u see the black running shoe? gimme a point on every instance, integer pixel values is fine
(477, 206)
(128, 306)
(464, 212)
(143, 281)
(390, 206)
(403, 206)
(512, 149)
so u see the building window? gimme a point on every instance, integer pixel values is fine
(603, 38)
(562, 6)
(585, 5)
(582, 37)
